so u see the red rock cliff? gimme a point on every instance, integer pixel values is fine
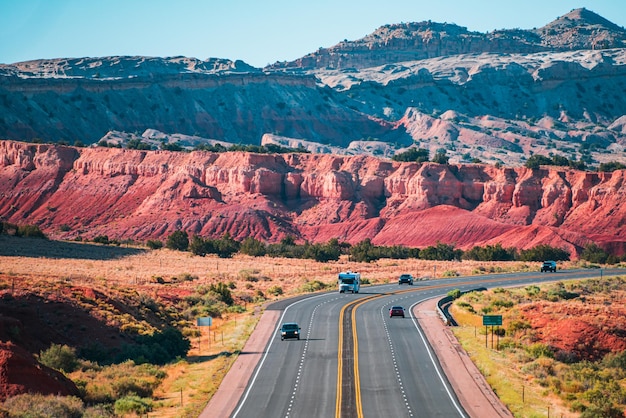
(149, 194)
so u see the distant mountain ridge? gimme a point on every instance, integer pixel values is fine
(495, 97)
(579, 29)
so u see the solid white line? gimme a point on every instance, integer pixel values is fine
(245, 396)
(432, 359)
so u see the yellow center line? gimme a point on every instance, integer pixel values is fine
(356, 304)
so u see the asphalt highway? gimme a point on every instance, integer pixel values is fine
(353, 360)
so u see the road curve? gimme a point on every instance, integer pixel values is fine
(472, 391)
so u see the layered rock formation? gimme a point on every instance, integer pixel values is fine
(72, 192)
(498, 97)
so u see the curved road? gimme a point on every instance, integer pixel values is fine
(354, 361)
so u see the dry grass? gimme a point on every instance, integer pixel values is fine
(524, 397)
(191, 383)
(136, 265)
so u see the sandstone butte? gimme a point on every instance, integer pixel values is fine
(140, 195)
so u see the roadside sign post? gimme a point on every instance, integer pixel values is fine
(491, 320)
(204, 322)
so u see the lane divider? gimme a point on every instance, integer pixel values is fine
(345, 411)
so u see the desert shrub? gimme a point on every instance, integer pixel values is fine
(455, 293)
(226, 246)
(450, 273)
(611, 166)
(185, 277)
(159, 348)
(532, 290)
(568, 357)
(313, 286)
(136, 143)
(441, 251)
(259, 296)
(101, 239)
(178, 240)
(200, 246)
(536, 160)
(203, 305)
(594, 254)
(223, 292)
(560, 293)
(363, 251)
(466, 305)
(275, 290)
(616, 360)
(419, 155)
(544, 252)
(253, 247)
(440, 157)
(323, 253)
(517, 325)
(603, 411)
(31, 231)
(133, 404)
(43, 406)
(502, 303)
(154, 244)
(540, 350)
(490, 253)
(59, 357)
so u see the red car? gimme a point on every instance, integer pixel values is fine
(396, 311)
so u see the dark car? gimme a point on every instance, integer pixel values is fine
(289, 330)
(405, 278)
(548, 266)
(396, 311)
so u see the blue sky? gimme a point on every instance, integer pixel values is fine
(257, 32)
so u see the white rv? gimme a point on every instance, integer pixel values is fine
(349, 282)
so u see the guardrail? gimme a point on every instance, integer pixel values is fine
(444, 304)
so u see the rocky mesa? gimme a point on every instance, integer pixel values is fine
(71, 192)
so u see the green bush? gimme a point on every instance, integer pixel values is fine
(31, 231)
(154, 244)
(133, 404)
(544, 252)
(101, 239)
(540, 350)
(442, 252)
(275, 290)
(159, 348)
(253, 247)
(106, 384)
(59, 357)
(594, 254)
(490, 253)
(223, 292)
(611, 166)
(313, 286)
(178, 240)
(418, 155)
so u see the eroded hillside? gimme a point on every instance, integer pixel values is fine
(72, 192)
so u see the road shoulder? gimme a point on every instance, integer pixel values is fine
(470, 386)
(226, 398)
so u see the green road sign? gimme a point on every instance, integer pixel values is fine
(492, 320)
